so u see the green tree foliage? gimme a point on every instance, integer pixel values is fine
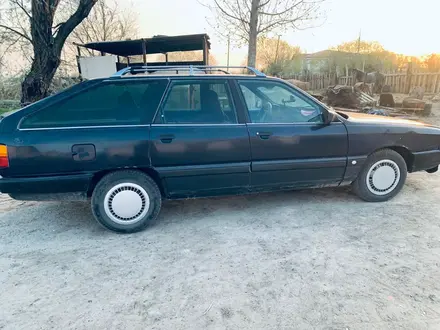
(277, 57)
(370, 56)
(432, 62)
(361, 47)
(272, 50)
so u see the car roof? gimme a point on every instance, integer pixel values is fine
(186, 76)
(188, 71)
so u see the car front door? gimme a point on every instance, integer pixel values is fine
(290, 144)
(198, 145)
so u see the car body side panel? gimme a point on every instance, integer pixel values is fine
(367, 137)
(49, 152)
(201, 160)
(298, 155)
(50, 185)
(425, 160)
(368, 133)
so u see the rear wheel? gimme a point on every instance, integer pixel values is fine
(126, 201)
(382, 177)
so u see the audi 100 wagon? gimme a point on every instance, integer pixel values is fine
(151, 133)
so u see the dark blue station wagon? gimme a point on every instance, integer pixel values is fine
(153, 133)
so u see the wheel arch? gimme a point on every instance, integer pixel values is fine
(151, 172)
(403, 151)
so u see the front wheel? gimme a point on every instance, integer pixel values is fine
(126, 201)
(382, 176)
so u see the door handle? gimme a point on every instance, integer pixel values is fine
(168, 138)
(264, 135)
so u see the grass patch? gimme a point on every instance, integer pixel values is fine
(8, 105)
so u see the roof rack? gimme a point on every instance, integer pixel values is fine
(191, 69)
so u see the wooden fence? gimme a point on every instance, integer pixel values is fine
(346, 81)
(405, 82)
(399, 82)
(429, 81)
(316, 81)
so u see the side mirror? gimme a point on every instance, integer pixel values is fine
(292, 98)
(327, 116)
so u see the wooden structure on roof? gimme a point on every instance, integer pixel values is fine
(155, 45)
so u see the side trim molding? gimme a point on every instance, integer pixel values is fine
(198, 170)
(293, 164)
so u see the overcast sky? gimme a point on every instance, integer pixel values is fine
(409, 27)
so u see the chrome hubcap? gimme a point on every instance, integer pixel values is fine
(126, 203)
(383, 177)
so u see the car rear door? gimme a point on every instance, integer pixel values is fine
(198, 145)
(290, 145)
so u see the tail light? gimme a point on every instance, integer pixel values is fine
(4, 160)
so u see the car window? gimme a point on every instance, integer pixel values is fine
(105, 105)
(199, 102)
(273, 102)
(183, 97)
(253, 102)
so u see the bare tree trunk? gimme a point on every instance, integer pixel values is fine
(48, 42)
(37, 82)
(253, 33)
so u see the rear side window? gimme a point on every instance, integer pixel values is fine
(128, 103)
(199, 102)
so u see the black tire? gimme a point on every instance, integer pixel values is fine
(390, 158)
(134, 184)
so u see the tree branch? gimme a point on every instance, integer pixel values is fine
(240, 13)
(56, 28)
(22, 35)
(84, 8)
(287, 19)
(274, 24)
(12, 44)
(22, 8)
(263, 4)
(229, 15)
(284, 11)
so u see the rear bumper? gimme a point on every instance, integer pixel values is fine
(46, 185)
(425, 160)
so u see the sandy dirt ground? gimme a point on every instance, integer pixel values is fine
(317, 259)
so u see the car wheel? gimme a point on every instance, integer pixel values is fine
(382, 176)
(126, 201)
